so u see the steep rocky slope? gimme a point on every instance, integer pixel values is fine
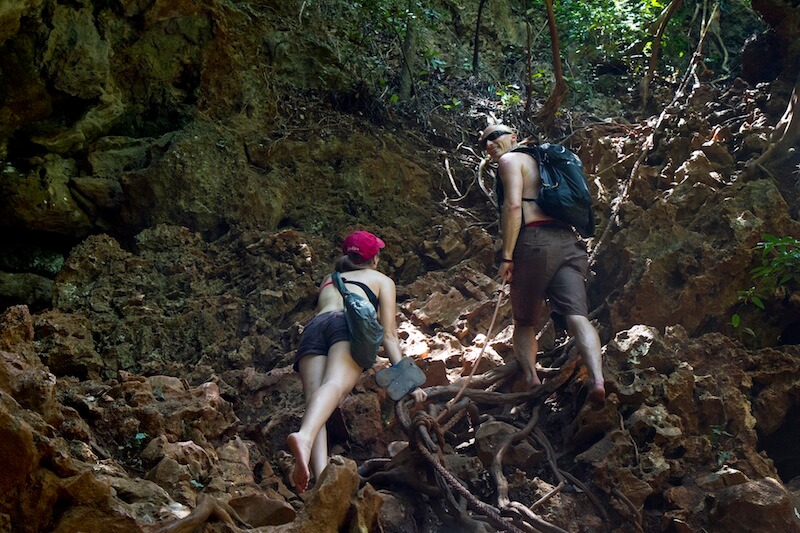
(177, 178)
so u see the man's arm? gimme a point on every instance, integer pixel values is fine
(510, 172)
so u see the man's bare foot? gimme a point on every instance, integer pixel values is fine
(526, 383)
(301, 451)
(597, 394)
(532, 380)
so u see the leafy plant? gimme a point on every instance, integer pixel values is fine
(718, 431)
(455, 103)
(780, 262)
(509, 96)
(723, 457)
(779, 270)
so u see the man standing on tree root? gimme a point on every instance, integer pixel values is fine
(542, 258)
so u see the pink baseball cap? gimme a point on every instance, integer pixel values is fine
(363, 243)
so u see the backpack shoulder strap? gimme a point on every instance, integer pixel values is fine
(534, 152)
(339, 284)
(371, 295)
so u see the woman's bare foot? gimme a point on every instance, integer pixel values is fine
(597, 394)
(301, 450)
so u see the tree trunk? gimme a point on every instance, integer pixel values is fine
(653, 64)
(528, 69)
(786, 136)
(409, 53)
(547, 115)
(476, 44)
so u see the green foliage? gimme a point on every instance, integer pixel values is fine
(138, 439)
(723, 456)
(433, 62)
(368, 37)
(780, 262)
(618, 34)
(779, 271)
(605, 28)
(454, 104)
(509, 96)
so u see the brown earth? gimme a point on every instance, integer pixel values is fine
(178, 176)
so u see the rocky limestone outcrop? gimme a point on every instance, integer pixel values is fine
(168, 207)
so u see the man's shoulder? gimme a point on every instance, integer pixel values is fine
(511, 157)
(527, 150)
(517, 159)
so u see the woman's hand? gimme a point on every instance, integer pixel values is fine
(419, 395)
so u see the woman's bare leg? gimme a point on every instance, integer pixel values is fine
(340, 376)
(312, 370)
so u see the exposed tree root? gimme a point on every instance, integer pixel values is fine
(207, 508)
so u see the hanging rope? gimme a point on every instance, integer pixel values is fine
(483, 348)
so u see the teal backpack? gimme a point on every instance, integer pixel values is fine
(565, 193)
(366, 333)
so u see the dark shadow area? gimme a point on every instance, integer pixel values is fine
(782, 447)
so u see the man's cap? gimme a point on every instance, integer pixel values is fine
(363, 243)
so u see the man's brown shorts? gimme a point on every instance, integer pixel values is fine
(549, 262)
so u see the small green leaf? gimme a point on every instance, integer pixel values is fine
(735, 320)
(749, 331)
(757, 302)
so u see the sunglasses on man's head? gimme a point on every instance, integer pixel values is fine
(493, 137)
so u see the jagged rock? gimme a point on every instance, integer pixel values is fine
(362, 416)
(176, 479)
(592, 422)
(218, 307)
(699, 169)
(20, 458)
(724, 477)
(66, 340)
(461, 305)
(76, 58)
(490, 437)
(26, 288)
(22, 375)
(611, 458)
(664, 284)
(97, 194)
(259, 510)
(327, 505)
(194, 457)
(475, 354)
(109, 157)
(654, 424)
(41, 200)
(367, 505)
(396, 515)
(762, 504)
(233, 474)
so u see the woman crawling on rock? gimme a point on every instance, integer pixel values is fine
(327, 369)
